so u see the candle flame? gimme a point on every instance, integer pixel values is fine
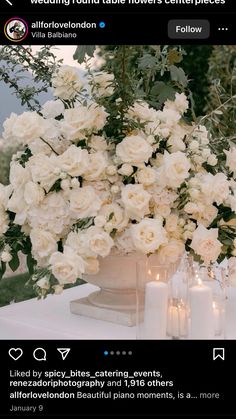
(149, 272)
(157, 277)
(199, 281)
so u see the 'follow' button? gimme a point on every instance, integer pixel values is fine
(189, 29)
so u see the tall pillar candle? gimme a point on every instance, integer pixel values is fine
(155, 310)
(201, 306)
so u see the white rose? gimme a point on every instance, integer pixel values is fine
(231, 159)
(212, 160)
(175, 169)
(205, 244)
(134, 150)
(201, 212)
(74, 161)
(231, 201)
(7, 130)
(5, 255)
(142, 112)
(170, 252)
(97, 164)
(43, 283)
(124, 242)
(19, 175)
(115, 215)
(169, 119)
(52, 108)
(44, 170)
(215, 188)
(147, 176)
(136, 201)
(67, 267)
(100, 242)
(126, 170)
(79, 243)
(171, 223)
(33, 193)
(111, 170)
(115, 189)
(194, 145)
(5, 192)
(97, 143)
(52, 214)
(28, 127)
(100, 221)
(103, 84)
(65, 184)
(148, 235)
(180, 103)
(84, 202)
(43, 243)
(83, 120)
(67, 82)
(18, 205)
(201, 134)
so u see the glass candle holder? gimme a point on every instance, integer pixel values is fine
(178, 308)
(207, 302)
(152, 300)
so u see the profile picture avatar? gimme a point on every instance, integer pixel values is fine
(16, 29)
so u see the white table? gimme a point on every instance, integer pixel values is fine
(51, 319)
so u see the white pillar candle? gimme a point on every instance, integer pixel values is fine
(155, 310)
(202, 324)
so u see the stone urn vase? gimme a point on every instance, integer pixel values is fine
(116, 299)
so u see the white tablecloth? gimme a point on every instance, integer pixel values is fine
(51, 319)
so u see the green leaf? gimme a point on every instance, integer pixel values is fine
(113, 233)
(177, 74)
(56, 187)
(15, 262)
(2, 269)
(83, 50)
(147, 61)
(31, 262)
(83, 224)
(25, 156)
(163, 92)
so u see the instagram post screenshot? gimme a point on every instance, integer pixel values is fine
(117, 208)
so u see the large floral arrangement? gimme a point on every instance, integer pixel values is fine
(91, 182)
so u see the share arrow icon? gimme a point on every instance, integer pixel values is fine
(64, 352)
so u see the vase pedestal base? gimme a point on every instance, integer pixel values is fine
(84, 307)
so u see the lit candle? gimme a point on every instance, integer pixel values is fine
(174, 321)
(155, 309)
(177, 320)
(202, 324)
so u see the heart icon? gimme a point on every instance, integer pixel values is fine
(15, 353)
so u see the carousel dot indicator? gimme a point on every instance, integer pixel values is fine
(106, 353)
(118, 353)
(112, 353)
